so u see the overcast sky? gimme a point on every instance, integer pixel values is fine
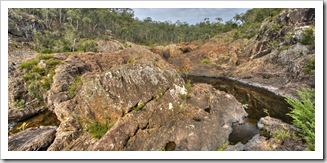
(189, 15)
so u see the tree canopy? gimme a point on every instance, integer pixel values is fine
(65, 27)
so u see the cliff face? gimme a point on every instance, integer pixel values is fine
(131, 97)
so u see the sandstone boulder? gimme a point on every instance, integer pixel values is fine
(32, 139)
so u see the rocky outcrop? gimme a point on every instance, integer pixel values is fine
(23, 26)
(32, 139)
(145, 101)
(170, 123)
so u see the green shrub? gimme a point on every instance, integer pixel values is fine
(29, 64)
(73, 88)
(97, 130)
(19, 104)
(45, 83)
(206, 61)
(309, 66)
(34, 90)
(45, 56)
(53, 62)
(38, 70)
(87, 46)
(236, 35)
(139, 106)
(30, 76)
(308, 37)
(303, 114)
(223, 147)
(188, 85)
(281, 135)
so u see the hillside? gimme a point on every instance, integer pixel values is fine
(111, 82)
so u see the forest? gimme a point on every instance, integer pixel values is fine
(74, 29)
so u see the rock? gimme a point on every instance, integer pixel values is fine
(32, 139)
(283, 136)
(109, 46)
(237, 147)
(165, 124)
(42, 64)
(144, 103)
(275, 136)
(21, 114)
(23, 26)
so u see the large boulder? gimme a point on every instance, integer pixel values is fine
(174, 123)
(32, 139)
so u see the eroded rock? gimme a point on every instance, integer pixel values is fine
(32, 139)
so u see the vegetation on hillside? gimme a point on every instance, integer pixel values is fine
(74, 29)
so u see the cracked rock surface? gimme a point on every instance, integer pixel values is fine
(149, 108)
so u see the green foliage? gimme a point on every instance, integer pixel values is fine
(28, 65)
(53, 62)
(87, 45)
(38, 70)
(44, 56)
(97, 130)
(266, 111)
(160, 93)
(130, 60)
(139, 106)
(303, 114)
(71, 29)
(188, 85)
(19, 104)
(309, 67)
(281, 135)
(223, 147)
(34, 90)
(30, 76)
(45, 84)
(73, 88)
(206, 61)
(308, 37)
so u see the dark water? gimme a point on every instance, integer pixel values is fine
(45, 118)
(257, 99)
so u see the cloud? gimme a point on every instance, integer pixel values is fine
(189, 15)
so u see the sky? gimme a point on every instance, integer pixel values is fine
(189, 15)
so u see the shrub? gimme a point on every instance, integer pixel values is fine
(45, 83)
(223, 147)
(188, 85)
(139, 106)
(30, 76)
(206, 61)
(29, 64)
(53, 62)
(97, 130)
(38, 70)
(87, 46)
(19, 104)
(303, 114)
(309, 66)
(281, 135)
(73, 88)
(34, 90)
(45, 56)
(308, 37)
